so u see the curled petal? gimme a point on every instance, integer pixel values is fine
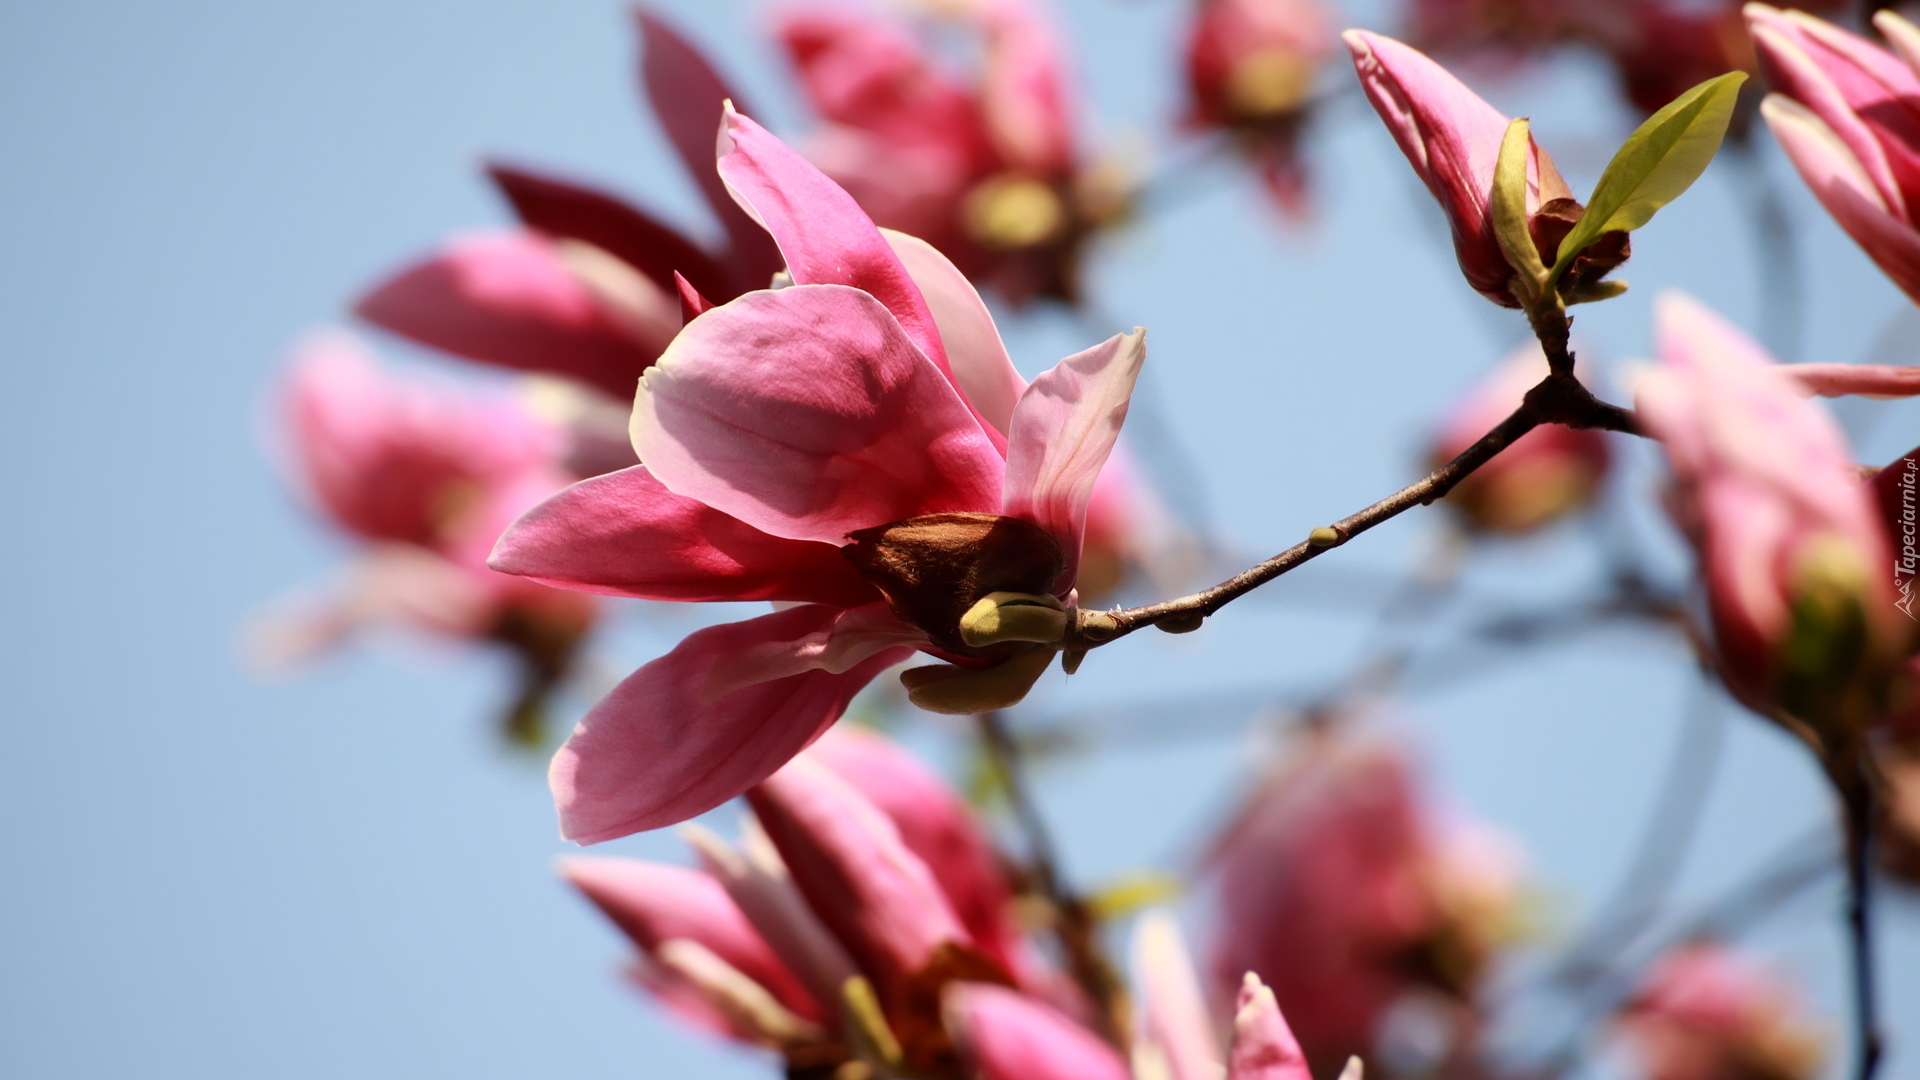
(1063, 429)
(513, 300)
(715, 716)
(623, 534)
(1263, 1046)
(823, 234)
(848, 860)
(747, 1006)
(807, 413)
(1838, 179)
(653, 904)
(1862, 380)
(1007, 1036)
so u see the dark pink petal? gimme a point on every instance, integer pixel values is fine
(1839, 180)
(653, 903)
(1263, 1046)
(1008, 1036)
(692, 304)
(1063, 429)
(1023, 95)
(938, 826)
(561, 208)
(687, 95)
(875, 895)
(715, 716)
(823, 234)
(623, 534)
(806, 413)
(511, 299)
(1864, 380)
(981, 367)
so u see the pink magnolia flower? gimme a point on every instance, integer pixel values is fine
(1791, 552)
(760, 943)
(1848, 113)
(1707, 1014)
(856, 445)
(1251, 65)
(1339, 889)
(1550, 472)
(987, 170)
(1452, 139)
(591, 287)
(425, 476)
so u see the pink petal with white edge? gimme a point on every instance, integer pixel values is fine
(511, 299)
(1063, 429)
(1856, 380)
(823, 234)
(623, 534)
(1263, 1046)
(858, 876)
(1837, 179)
(807, 413)
(717, 715)
(981, 367)
(1008, 1036)
(1174, 1019)
(653, 903)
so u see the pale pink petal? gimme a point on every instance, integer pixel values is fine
(1063, 429)
(1263, 1046)
(1008, 1036)
(858, 876)
(687, 96)
(806, 413)
(653, 903)
(623, 534)
(1863, 380)
(511, 299)
(937, 825)
(715, 716)
(1836, 178)
(1173, 1020)
(981, 367)
(824, 236)
(1902, 35)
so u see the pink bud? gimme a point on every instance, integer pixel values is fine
(1263, 1046)
(1452, 138)
(1006, 1036)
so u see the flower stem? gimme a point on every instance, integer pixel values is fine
(1857, 797)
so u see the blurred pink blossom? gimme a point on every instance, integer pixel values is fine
(1707, 1014)
(1251, 66)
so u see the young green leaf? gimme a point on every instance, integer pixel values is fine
(1510, 208)
(1661, 159)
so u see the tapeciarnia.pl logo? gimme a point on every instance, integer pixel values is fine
(1905, 567)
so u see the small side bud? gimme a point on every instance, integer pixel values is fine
(1325, 536)
(1182, 624)
(964, 691)
(1070, 660)
(1097, 626)
(1010, 616)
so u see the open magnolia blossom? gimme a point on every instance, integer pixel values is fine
(591, 287)
(856, 446)
(1847, 112)
(1792, 552)
(1452, 139)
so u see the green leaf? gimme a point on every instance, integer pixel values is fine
(1657, 162)
(1510, 207)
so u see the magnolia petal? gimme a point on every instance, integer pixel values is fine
(1174, 1019)
(1263, 1046)
(1062, 431)
(710, 719)
(749, 1008)
(824, 236)
(935, 824)
(562, 208)
(511, 299)
(807, 413)
(688, 96)
(653, 903)
(846, 857)
(1023, 94)
(1838, 180)
(981, 368)
(1863, 380)
(623, 534)
(1007, 1036)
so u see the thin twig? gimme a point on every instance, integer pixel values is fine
(1559, 399)
(1857, 799)
(1074, 923)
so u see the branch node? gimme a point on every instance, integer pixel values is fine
(1326, 536)
(1097, 627)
